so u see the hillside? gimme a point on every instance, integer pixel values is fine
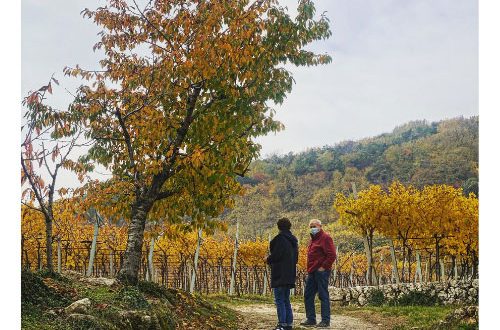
(303, 185)
(70, 301)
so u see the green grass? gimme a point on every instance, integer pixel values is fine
(239, 300)
(248, 299)
(402, 317)
(100, 295)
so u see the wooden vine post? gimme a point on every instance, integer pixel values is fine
(195, 263)
(235, 255)
(97, 221)
(266, 270)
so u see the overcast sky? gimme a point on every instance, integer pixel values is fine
(393, 61)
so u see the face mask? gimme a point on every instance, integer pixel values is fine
(314, 230)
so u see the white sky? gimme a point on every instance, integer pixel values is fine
(393, 61)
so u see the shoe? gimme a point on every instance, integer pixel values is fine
(323, 324)
(308, 323)
(287, 327)
(279, 327)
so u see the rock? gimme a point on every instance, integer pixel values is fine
(442, 295)
(80, 306)
(55, 311)
(337, 296)
(72, 273)
(362, 300)
(82, 317)
(100, 281)
(452, 292)
(51, 312)
(140, 320)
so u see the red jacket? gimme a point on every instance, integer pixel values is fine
(321, 252)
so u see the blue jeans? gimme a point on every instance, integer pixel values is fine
(317, 282)
(283, 307)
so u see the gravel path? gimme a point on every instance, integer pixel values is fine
(263, 317)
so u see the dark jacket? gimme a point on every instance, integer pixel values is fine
(283, 260)
(321, 252)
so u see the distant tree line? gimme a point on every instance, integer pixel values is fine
(304, 185)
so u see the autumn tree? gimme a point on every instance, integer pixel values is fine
(439, 209)
(364, 214)
(49, 136)
(184, 88)
(402, 220)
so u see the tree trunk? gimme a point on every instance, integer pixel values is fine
(59, 255)
(442, 271)
(429, 262)
(368, 252)
(48, 244)
(22, 249)
(438, 270)
(111, 265)
(419, 269)
(394, 262)
(93, 248)
(335, 266)
(351, 274)
(409, 264)
(475, 264)
(39, 257)
(455, 269)
(426, 272)
(403, 268)
(129, 271)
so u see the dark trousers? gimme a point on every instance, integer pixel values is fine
(283, 307)
(317, 282)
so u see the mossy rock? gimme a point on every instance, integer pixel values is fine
(158, 291)
(166, 317)
(131, 298)
(84, 321)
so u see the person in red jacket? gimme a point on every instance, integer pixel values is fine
(321, 255)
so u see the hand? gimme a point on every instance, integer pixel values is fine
(321, 269)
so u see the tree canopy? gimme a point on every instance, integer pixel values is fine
(184, 88)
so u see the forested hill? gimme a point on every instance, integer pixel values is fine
(304, 184)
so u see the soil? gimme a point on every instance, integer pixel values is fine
(263, 317)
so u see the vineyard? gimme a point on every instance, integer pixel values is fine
(431, 235)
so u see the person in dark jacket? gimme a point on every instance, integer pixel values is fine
(283, 258)
(321, 254)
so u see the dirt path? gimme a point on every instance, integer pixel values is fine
(263, 317)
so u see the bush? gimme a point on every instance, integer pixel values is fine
(44, 273)
(415, 298)
(35, 292)
(376, 298)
